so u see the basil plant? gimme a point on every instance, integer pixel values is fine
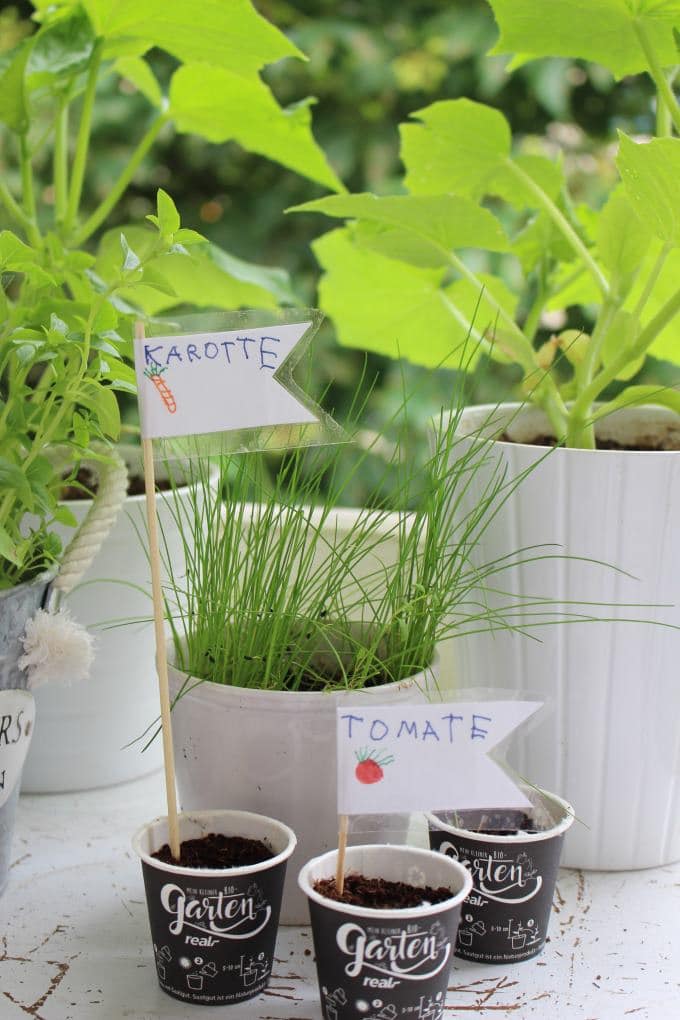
(399, 279)
(70, 294)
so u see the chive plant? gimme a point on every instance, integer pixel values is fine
(274, 594)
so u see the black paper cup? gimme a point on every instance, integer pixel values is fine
(505, 918)
(384, 964)
(214, 930)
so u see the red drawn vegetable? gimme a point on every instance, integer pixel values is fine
(155, 374)
(370, 765)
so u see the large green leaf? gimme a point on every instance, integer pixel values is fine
(13, 102)
(600, 30)
(540, 241)
(63, 47)
(509, 185)
(651, 174)
(445, 221)
(142, 77)
(226, 34)
(667, 344)
(208, 277)
(402, 245)
(220, 106)
(622, 239)
(465, 147)
(457, 147)
(636, 396)
(390, 307)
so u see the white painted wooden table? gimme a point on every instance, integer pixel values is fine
(76, 946)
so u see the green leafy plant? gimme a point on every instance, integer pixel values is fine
(400, 279)
(279, 593)
(68, 306)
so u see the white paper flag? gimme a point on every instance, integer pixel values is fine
(216, 382)
(426, 757)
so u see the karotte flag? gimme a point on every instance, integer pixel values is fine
(426, 757)
(203, 383)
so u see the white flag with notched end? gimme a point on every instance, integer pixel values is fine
(426, 757)
(202, 383)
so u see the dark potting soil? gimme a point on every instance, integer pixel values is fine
(379, 894)
(84, 486)
(217, 851)
(494, 823)
(522, 823)
(606, 444)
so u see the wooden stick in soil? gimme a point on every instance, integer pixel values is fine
(159, 631)
(342, 847)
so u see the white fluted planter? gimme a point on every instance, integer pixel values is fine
(86, 733)
(609, 741)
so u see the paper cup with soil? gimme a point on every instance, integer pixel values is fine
(385, 949)
(513, 858)
(215, 914)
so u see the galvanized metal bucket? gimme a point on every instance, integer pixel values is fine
(17, 606)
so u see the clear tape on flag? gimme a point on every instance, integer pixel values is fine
(222, 383)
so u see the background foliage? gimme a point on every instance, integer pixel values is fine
(370, 66)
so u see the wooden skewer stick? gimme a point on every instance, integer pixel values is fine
(159, 631)
(342, 847)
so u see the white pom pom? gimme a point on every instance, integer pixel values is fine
(56, 649)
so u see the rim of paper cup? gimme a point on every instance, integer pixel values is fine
(245, 869)
(434, 821)
(393, 914)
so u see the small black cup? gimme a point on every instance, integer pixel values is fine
(214, 930)
(505, 918)
(384, 964)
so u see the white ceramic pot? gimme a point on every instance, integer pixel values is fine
(274, 753)
(86, 733)
(609, 740)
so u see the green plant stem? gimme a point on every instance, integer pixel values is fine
(83, 139)
(522, 349)
(13, 208)
(534, 314)
(61, 165)
(562, 224)
(652, 278)
(103, 210)
(657, 74)
(29, 194)
(516, 343)
(647, 336)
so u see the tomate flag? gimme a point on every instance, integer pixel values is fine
(426, 757)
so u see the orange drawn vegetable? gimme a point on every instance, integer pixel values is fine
(155, 374)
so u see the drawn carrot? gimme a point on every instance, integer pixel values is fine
(155, 373)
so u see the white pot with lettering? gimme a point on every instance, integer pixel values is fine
(274, 752)
(608, 739)
(87, 732)
(214, 929)
(402, 955)
(17, 706)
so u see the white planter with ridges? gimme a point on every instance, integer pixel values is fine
(609, 740)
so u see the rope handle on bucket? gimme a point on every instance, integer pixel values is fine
(112, 478)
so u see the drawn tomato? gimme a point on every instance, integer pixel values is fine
(368, 771)
(371, 764)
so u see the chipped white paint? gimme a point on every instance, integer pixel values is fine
(76, 943)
